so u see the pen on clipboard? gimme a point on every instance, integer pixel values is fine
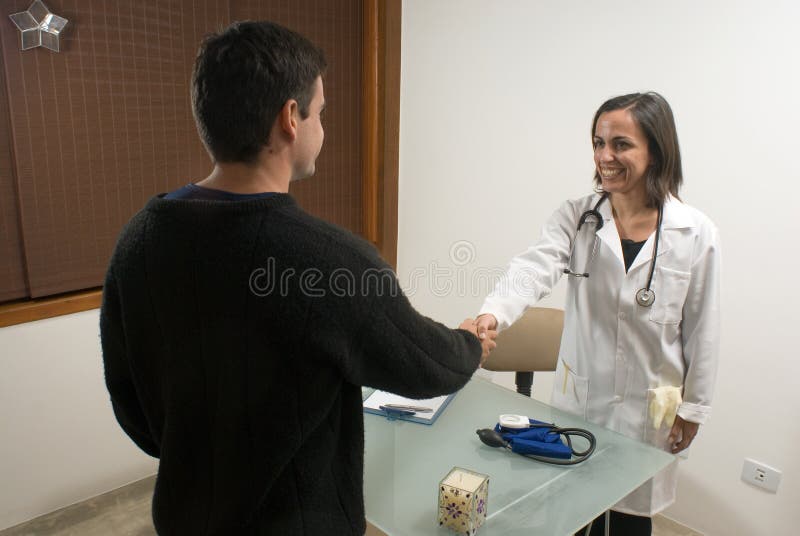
(406, 408)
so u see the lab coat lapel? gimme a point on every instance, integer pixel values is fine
(608, 234)
(675, 217)
(646, 253)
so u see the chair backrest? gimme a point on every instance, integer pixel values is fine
(531, 344)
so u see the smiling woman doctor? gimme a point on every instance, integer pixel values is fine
(641, 329)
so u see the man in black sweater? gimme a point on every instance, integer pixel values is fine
(237, 329)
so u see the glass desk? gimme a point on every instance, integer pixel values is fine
(404, 462)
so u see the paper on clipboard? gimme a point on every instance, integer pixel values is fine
(373, 403)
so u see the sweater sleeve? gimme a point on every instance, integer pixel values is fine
(119, 379)
(370, 331)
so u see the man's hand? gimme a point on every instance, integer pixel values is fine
(682, 434)
(487, 340)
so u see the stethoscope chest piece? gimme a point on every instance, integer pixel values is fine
(645, 297)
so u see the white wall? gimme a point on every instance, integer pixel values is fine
(496, 104)
(60, 441)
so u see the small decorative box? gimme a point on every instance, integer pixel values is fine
(463, 496)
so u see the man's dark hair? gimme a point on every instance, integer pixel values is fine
(242, 78)
(653, 114)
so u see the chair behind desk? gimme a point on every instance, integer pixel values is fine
(530, 344)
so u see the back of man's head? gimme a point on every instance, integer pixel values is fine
(242, 78)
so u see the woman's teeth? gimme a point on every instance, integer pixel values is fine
(607, 173)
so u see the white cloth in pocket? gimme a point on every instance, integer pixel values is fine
(662, 407)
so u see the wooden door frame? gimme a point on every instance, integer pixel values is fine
(381, 124)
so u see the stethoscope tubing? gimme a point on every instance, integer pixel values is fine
(578, 456)
(644, 296)
(655, 248)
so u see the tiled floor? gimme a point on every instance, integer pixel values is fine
(663, 526)
(122, 512)
(126, 512)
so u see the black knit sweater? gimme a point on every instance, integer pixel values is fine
(235, 338)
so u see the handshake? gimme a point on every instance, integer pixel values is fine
(485, 329)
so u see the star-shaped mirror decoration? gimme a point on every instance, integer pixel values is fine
(39, 27)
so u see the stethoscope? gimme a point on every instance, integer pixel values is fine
(644, 296)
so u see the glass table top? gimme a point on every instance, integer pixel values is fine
(404, 462)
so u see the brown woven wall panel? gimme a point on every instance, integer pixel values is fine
(334, 192)
(105, 124)
(101, 126)
(12, 265)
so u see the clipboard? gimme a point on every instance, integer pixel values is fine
(376, 399)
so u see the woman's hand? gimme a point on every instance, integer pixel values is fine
(485, 323)
(487, 340)
(682, 434)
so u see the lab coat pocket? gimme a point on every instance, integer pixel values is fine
(670, 287)
(570, 391)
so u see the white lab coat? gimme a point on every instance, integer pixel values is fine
(613, 350)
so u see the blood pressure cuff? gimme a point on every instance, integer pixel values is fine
(537, 441)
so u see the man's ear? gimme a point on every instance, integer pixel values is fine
(288, 118)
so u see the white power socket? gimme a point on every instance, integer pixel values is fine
(761, 475)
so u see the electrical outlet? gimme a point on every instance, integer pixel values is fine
(761, 475)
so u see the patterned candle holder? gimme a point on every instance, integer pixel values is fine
(463, 497)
